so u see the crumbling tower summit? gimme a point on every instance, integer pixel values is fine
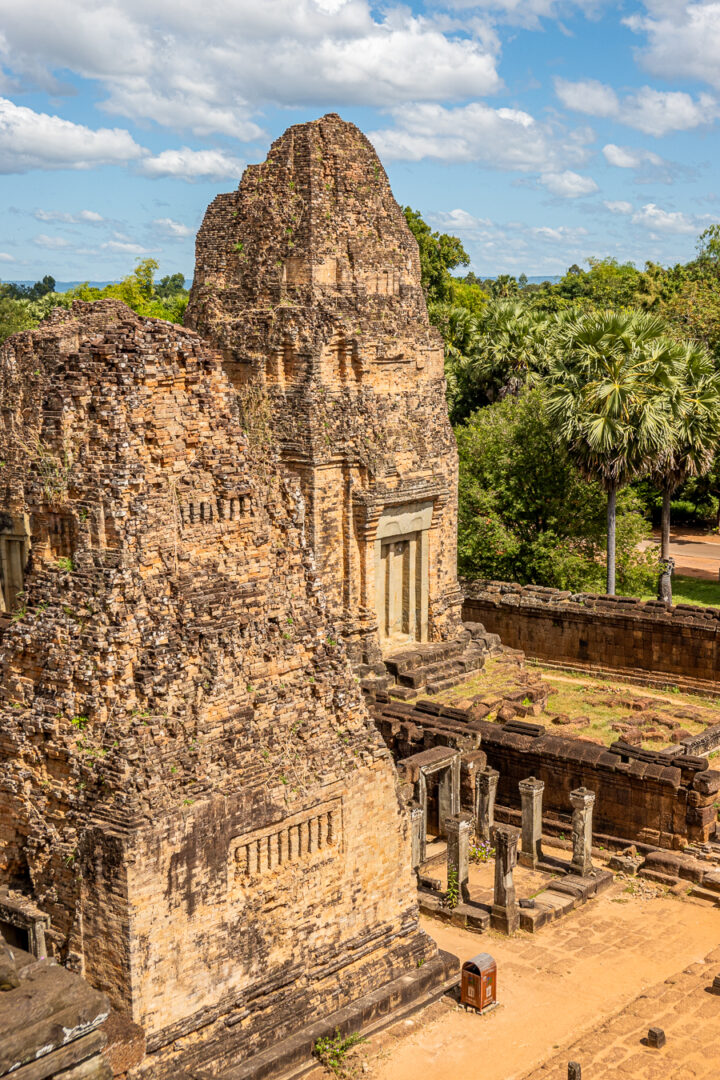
(307, 279)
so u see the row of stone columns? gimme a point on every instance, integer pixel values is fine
(531, 795)
(505, 915)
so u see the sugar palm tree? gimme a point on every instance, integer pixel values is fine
(696, 409)
(610, 386)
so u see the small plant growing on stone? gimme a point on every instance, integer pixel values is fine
(452, 893)
(333, 1051)
(481, 851)
(65, 563)
(80, 722)
(19, 613)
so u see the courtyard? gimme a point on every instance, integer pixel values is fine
(585, 989)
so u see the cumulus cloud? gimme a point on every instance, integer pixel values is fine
(530, 12)
(618, 206)
(656, 219)
(6, 257)
(569, 184)
(156, 61)
(32, 140)
(84, 217)
(682, 39)
(52, 242)
(126, 247)
(625, 157)
(187, 164)
(655, 112)
(174, 230)
(498, 138)
(588, 96)
(559, 233)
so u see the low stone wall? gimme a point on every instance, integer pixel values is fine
(642, 796)
(707, 742)
(618, 632)
(638, 798)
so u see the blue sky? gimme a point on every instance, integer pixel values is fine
(539, 131)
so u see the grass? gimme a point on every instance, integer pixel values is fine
(692, 590)
(594, 704)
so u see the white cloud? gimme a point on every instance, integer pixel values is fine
(625, 157)
(461, 219)
(569, 184)
(211, 71)
(529, 12)
(128, 248)
(187, 164)
(84, 217)
(618, 207)
(653, 217)
(559, 233)
(588, 96)
(683, 39)
(5, 257)
(655, 112)
(54, 242)
(507, 139)
(31, 140)
(175, 230)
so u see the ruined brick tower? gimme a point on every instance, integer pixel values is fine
(196, 811)
(307, 279)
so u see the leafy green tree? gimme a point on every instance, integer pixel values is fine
(14, 316)
(526, 512)
(506, 346)
(696, 416)
(170, 286)
(504, 286)
(610, 390)
(439, 254)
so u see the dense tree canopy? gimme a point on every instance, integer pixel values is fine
(625, 364)
(22, 307)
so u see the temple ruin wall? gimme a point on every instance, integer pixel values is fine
(618, 632)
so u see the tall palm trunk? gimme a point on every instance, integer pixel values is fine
(665, 523)
(611, 518)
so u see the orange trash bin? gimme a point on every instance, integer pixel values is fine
(478, 987)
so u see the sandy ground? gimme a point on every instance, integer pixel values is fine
(554, 987)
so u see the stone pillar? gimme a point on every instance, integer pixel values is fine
(531, 793)
(486, 783)
(505, 914)
(582, 803)
(417, 835)
(458, 829)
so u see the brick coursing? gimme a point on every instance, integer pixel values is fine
(307, 279)
(615, 632)
(172, 681)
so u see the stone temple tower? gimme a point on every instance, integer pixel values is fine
(307, 279)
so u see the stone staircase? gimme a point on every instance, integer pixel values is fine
(431, 667)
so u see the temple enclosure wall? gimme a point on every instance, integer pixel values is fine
(641, 796)
(682, 642)
(643, 801)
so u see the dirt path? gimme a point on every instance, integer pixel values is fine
(553, 987)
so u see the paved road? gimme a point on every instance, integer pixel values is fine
(695, 554)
